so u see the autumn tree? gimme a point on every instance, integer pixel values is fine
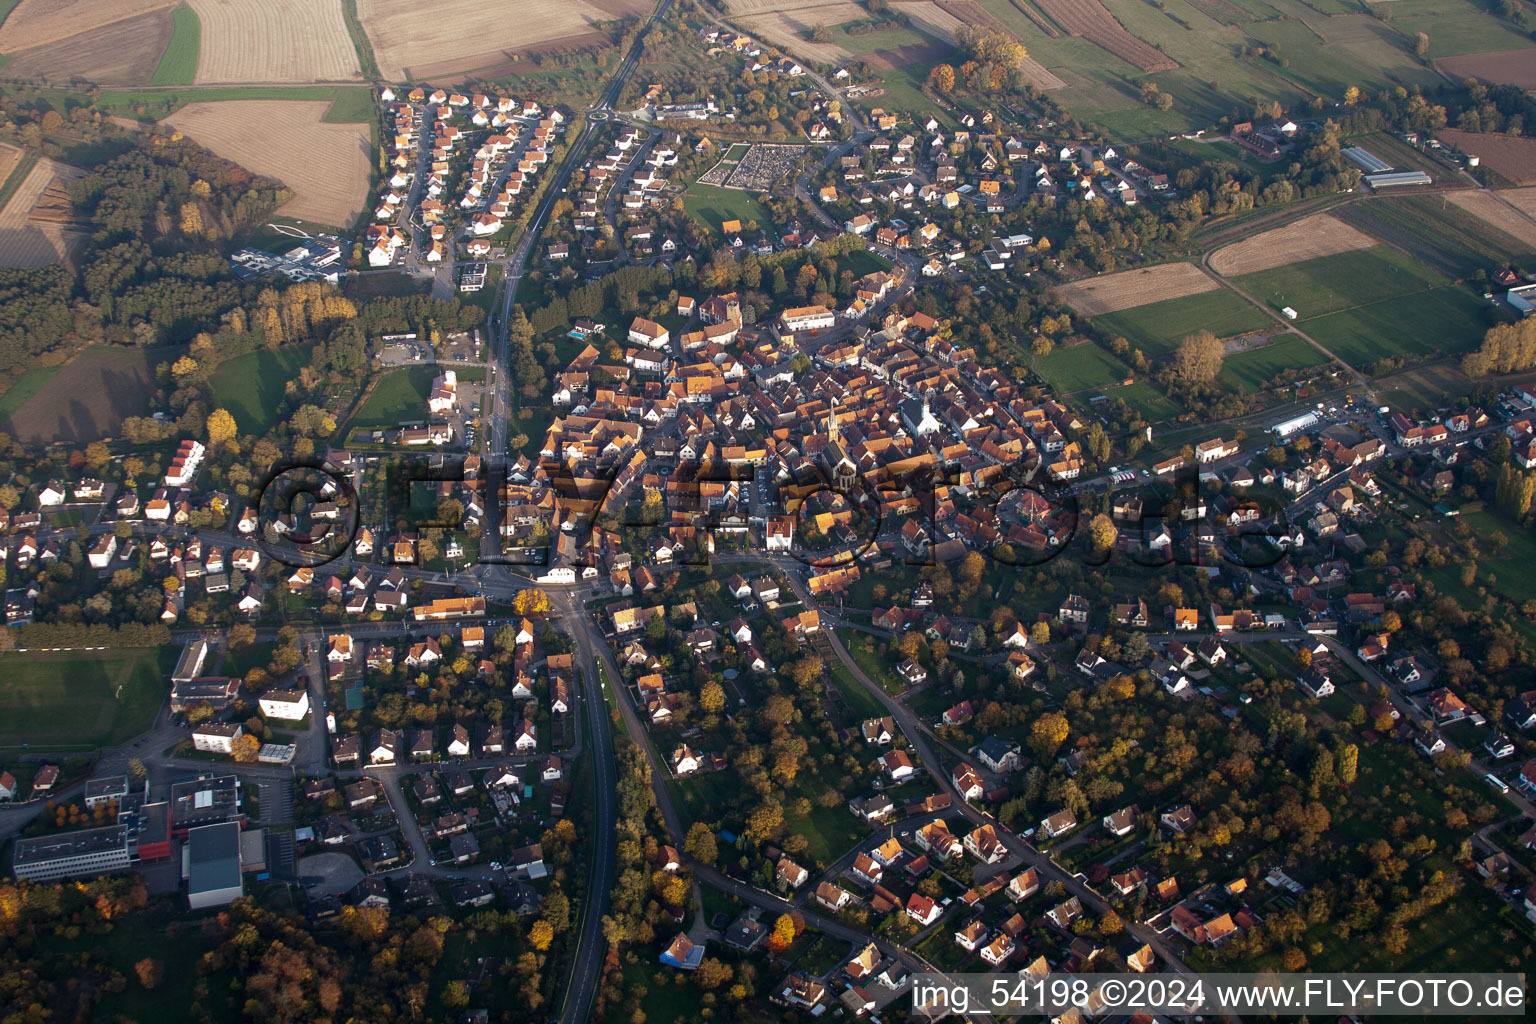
(942, 79)
(1197, 360)
(221, 427)
(541, 935)
(783, 934)
(531, 602)
(244, 748)
(1047, 733)
(1102, 532)
(700, 843)
(150, 971)
(712, 697)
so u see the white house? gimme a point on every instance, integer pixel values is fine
(288, 705)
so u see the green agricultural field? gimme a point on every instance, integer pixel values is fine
(81, 699)
(861, 262)
(251, 386)
(1440, 234)
(1456, 27)
(1253, 371)
(178, 64)
(888, 36)
(1073, 368)
(153, 104)
(352, 104)
(23, 388)
(1146, 401)
(713, 206)
(1328, 284)
(400, 395)
(1323, 46)
(1443, 321)
(1158, 327)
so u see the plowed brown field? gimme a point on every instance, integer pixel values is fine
(122, 53)
(1130, 288)
(325, 165)
(35, 22)
(1305, 239)
(1093, 21)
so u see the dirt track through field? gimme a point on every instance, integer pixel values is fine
(273, 41)
(28, 242)
(35, 22)
(1108, 293)
(1318, 235)
(475, 33)
(1524, 198)
(1493, 210)
(325, 165)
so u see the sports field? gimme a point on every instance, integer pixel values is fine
(1078, 367)
(1442, 321)
(1158, 328)
(712, 206)
(81, 699)
(400, 396)
(1254, 370)
(251, 386)
(1328, 284)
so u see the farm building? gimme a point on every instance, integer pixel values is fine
(1397, 178)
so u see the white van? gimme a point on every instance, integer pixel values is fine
(1496, 782)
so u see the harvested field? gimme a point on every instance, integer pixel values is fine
(1511, 157)
(91, 396)
(1497, 213)
(1040, 76)
(1093, 21)
(931, 18)
(941, 19)
(325, 165)
(770, 6)
(10, 156)
(788, 29)
(1524, 198)
(1305, 239)
(123, 53)
(33, 231)
(274, 41)
(1501, 67)
(436, 38)
(1130, 288)
(36, 22)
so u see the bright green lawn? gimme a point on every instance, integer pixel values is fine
(251, 386)
(401, 395)
(1328, 284)
(712, 207)
(25, 386)
(178, 64)
(1253, 371)
(1438, 322)
(81, 699)
(1158, 327)
(1147, 402)
(1072, 368)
